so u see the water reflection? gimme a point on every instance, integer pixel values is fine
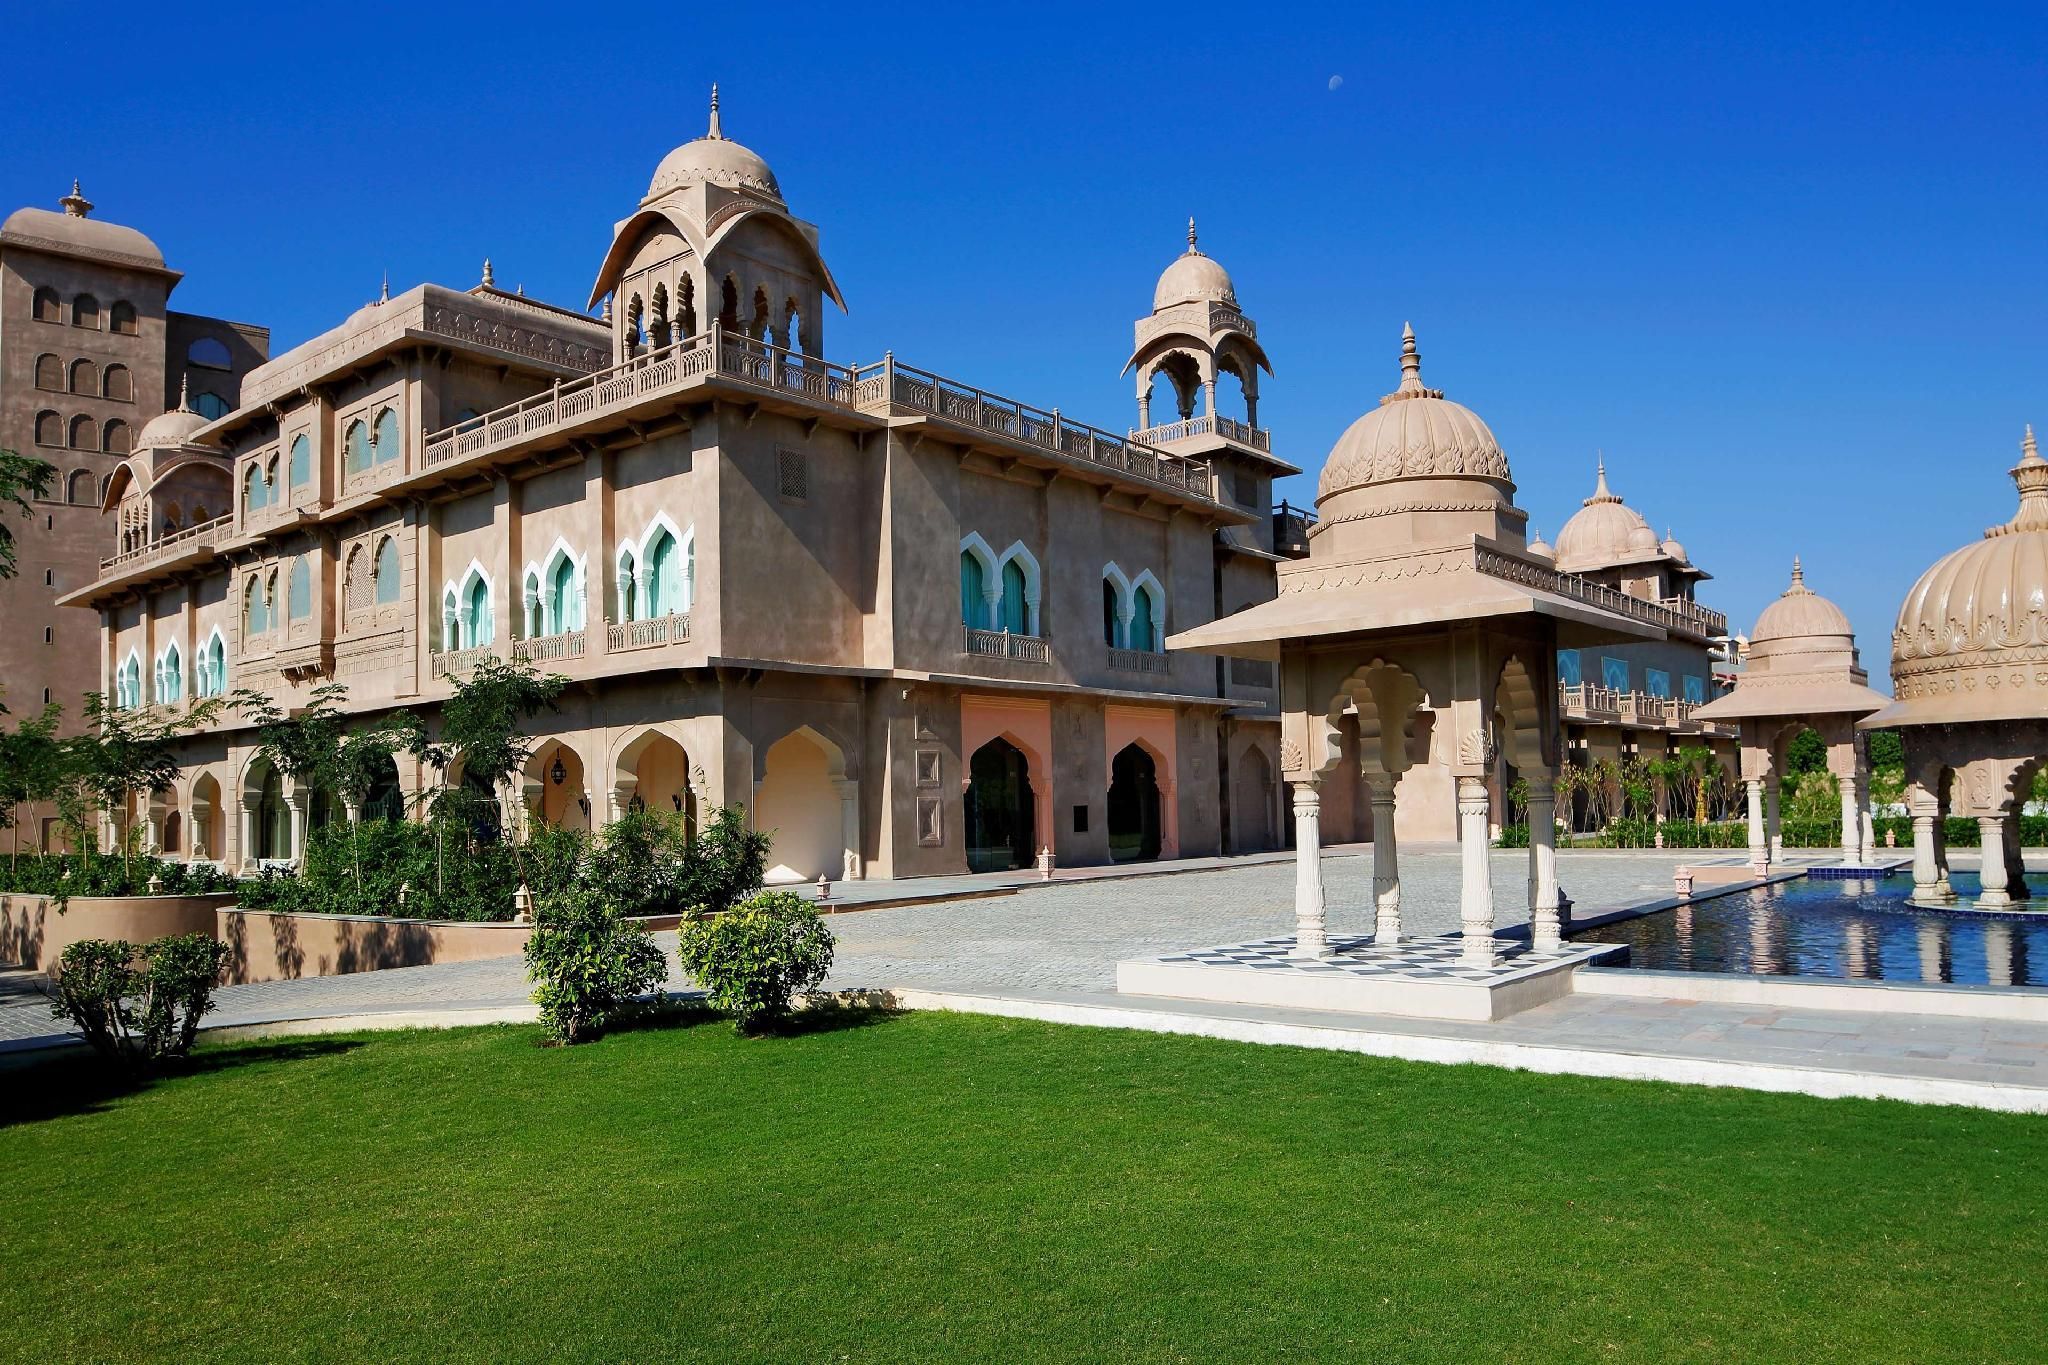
(1858, 930)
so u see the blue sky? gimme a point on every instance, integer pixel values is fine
(1786, 265)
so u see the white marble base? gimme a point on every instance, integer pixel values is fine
(1416, 979)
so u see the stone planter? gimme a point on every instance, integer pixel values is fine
(34, 933)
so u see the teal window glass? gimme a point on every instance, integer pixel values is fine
(1568, 667)
(973, 600)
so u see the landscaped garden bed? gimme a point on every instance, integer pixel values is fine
(944, 1187)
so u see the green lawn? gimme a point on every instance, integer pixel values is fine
(938, 1186)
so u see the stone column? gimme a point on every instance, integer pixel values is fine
(1948, 890)
(1852, 822)
(1386, 860)
(1545, 930)
(1774, 829)
(1869, 830)
(2015, 863)
(1927, 882)
(1991, 833)
(1144, 411)
(1311, 923)
(1209, 398)
(1475, 902)
(299, 800)
(1759, 846)
(252, 830)
(849, 826)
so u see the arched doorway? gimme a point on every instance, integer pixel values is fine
(273, 816)
(206, 826)
(1133, 805)
(1001, 822)
(174, 830)
(555, 787)
(385, 799)
(799, 805)
(1251, 810)
(655, 772)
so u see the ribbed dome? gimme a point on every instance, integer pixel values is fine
(72, 228)
(1801, 613)
(1980, 614)
(713, 159)
(1193, 278)
(1413, 433)
(1604, 531)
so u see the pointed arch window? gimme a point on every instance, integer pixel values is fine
(355, 448)
(299, 591)
(451, 621)
(255, 607)
(564, 604)
(629, 586)
(299, 469)
(476, 615)
(170, 685)
(384, 437)
(387, 570)
(1013, 610)
(973, 593)
(536, 614)
(211, 674)
(664, 576)
(1146, 615)
(1110, 611)
(255, 492)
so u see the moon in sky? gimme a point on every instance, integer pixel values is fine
(1336, 81)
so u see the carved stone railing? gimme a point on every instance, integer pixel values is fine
(1640, 708)
(448, 663)
(1137, 660)
(567, 644)
(673, 629)
(1706, 621)
(891, 386)
(1001, 644)
(1558, 583)
(1291, 527)
(1230, 429)
(1585, 701)
(205, 534)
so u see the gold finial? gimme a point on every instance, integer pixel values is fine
(76, 204)
(490, 281)
(1411, 370)
(714, 131)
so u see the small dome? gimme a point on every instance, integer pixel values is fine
(1801, 613)
(1539, 548)
(1980, 614)
(1675, 550)
(1413, 433)
(1604, 531)
(72, 228)
(1193, 278)
(172, 428)
(715, 160)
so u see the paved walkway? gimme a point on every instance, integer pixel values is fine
(1050, 951)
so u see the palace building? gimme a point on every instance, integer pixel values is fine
(742, 554)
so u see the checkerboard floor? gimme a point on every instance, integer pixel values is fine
(1356, 955)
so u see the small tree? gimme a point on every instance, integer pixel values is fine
(21, 478)
(481, 724)
(34, 764)
(135, 1005)
(754, 961)
(130, 752)
(588, 962)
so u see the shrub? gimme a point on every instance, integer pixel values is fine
(754, 960)
(64, 875)
(138, 1006)
(588, 963)
(1513, 836)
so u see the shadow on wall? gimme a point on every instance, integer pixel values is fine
(22, 928)
(316, 945)
(373, 947)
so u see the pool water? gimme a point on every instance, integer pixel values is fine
(1852, 929)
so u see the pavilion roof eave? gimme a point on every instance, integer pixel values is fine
(1959, 709)
(1755, 698)
(1400, 605)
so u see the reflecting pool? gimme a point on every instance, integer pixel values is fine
(1862, 930)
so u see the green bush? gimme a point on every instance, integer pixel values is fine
(1512, 836)
(106, 874)
(1718, 834)
(138, 1006)
(589, 964)
(753, 961)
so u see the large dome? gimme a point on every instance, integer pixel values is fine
(1605, 531)
(74, 230)
(1801, 620)
(713, 159)
(1978, 619)
(1193, 278)
(1413, 434)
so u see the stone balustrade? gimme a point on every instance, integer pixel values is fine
(1229, 428)
(568, 644)
(449, 663)
(1002, 644)
(201, 536)
(1137, 660)
(673, 629)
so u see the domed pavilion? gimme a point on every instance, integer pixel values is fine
(1803, 673)
(1970, 682)
(1417, 647)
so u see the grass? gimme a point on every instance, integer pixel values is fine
(951, 1187)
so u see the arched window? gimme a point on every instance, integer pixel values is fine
(121, 319)
(628, 579)
(664, 576)
(1109, 613)
(210, 352)
(636, 311)
(85, 434)
(300, 468)
(563, 604)
(255, 611)
(85, 312)
(387, 569)
(116, 440)
(211, 406)
(85, 377)
(171, 519)
(1146, 617)
(128, 682)
(270, 483)
(255, 496)
(686, 309)
(171, 686)
(973, 598)
(451, 621)
(384, 437)
(49, 429)
(657, 327)
(118, 384)
(299, 593)
(536, 616)
(729, 304)
(355, 448)
(213, 667)
(78, 488)
(1012, 610)
(476, 615)
(50, 373)
(792, 325)
(355, 580)
(48, 307)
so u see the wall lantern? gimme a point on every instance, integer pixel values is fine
(558, 774)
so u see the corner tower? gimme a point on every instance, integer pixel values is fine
(714, 241)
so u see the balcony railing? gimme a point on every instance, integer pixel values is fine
(567, 644)
(1640, 708)
(1137, 660)
(1230, 429)
(1001, 644)
(673, 629)
(204, 534)
(1291, 527)
(448, 663)
(1584, 699)
(1705, 620)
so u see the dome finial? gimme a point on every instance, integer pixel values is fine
(1601, 492)
(76, 204)
(1192, 249)
(185, 392)
(1798, 577)
(1411, 370)
(489, 280)
(2030, 476)
(714, 130)
(384, 291)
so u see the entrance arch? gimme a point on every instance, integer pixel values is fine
(800, 803)
(1251, 807)
(207, 831)
(555, 787)
(653, 774)
(1001, 809)
(1133, 805)
(272, 824)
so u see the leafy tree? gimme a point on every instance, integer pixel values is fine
(33, 767)
(482, 726)
(129, 752)
(1805, 754)
(1886, 749)
(21, 478)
